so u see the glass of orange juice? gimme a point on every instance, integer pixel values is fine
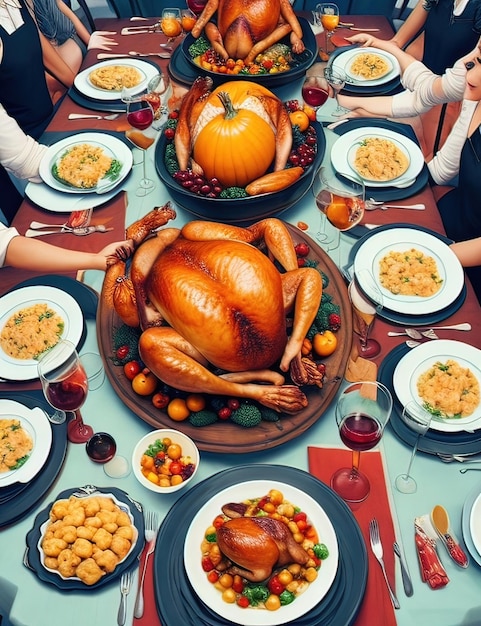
(187, 19)
(170, 23)
(341, 203)
(329, 14)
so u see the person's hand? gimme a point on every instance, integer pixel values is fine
(99, 41)
(118, 250)
(366, 40)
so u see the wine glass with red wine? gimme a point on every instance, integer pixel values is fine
(65, 384)
(140, 116)
(315, 90)
(362, 412)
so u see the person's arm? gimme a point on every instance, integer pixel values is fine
(54, 63)
(468, 252)
(80, 29)
(20, 154)
(32, 254)
(411, 27)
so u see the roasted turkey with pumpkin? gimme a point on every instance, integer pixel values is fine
(245, 28)
(213, 308)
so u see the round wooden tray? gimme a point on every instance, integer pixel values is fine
(227, 437)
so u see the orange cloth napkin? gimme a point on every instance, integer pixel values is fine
(150, 616)
(376, 607)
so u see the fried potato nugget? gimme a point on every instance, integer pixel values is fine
(86, 537)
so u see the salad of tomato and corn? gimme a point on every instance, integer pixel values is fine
(164, 464)
(286, 583)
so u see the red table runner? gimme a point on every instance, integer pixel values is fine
(377, 607)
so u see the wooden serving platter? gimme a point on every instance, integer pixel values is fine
(227, 437)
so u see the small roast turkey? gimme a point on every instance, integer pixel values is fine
(257, 545)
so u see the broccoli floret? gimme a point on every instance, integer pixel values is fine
(246, 415)
(321, 551)
(233, 192)
(256, 594)
(126, 336)
(269, 415)
(199, 46)
(321, 321)
(202, 418)
(170, 159)
(286, 597)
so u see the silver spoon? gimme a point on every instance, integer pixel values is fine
(82, 116)
(462, 326)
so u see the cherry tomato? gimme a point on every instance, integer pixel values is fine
(122, 352)
(243, 602)
(275, 586)
(213, 576)
(233, 404)
(169, 133)
(160, 400)
(302, 249)
(224, 413)
(218, 522)
(175, 467)
(299, 516)
(173, 115)
(131, 369)
(207, 564)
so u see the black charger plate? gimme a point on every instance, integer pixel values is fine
(433, 441)
(387, 194)
(339, 606)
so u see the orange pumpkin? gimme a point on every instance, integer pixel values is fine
(237, 145)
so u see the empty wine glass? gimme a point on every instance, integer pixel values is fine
(364, 313)
(329, 14)
(336, 79)
(158, 93)
(418, 420)
(140, 116)
(64, 383)
(362, 412)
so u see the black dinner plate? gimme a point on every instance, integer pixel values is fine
(339, 606)
(33, 536)
(433, 441)
(186, 70)
(389, 87)
(405, 319)
(387, 194)
(29, 494)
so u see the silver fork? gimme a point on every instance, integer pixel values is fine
(377, 550)
(371, 205)
(151, 529)
(460, 458)
(125, 584)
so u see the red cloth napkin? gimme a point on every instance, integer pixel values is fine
(150, 616)
(376, 607)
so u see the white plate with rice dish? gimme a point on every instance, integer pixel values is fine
(84, 85)
(37, 427)
(93, 144)
(420, 360)
(58, 301)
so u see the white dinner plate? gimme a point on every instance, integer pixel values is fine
(112, 146)
(58, 300)
(351, 159)
(83, 84)
(475, 524)
(35, 423)
(252, 617)
(422, 358)
(59, 202)
(472, 499)
(367, 269)
(341, 150)
(344, 60)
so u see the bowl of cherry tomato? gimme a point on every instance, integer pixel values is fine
(165, 460)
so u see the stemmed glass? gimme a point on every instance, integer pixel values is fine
(336, 79)
(340, 201)
(362, 412)
(419, 420)
(65, 384)
(158, 93)
(364, 313)
(140, 116)
(329, 13)
(315, 90)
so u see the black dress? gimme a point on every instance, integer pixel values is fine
(460, 208)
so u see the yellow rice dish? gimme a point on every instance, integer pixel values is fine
(31, 331)
(380, 159)
(369, 66)
(15, 445)
(83, 166)
(410, 273)
(115, 77)
(449, 390)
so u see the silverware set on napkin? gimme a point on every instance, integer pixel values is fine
(377, 550)
(150, 531)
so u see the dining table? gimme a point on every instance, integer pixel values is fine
(26, 599)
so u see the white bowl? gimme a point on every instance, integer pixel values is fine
(188, 449)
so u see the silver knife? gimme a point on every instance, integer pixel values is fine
(406, 577)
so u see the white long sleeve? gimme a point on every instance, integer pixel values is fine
(445, 165)
(420, 94)
(20, 154)
(6, 236)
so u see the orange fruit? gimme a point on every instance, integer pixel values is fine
(310, 112)
(174, 451)
(195, 402)
(300, 119)
(171, 27)
(177, 410)
(144, 384)
(324, 343)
